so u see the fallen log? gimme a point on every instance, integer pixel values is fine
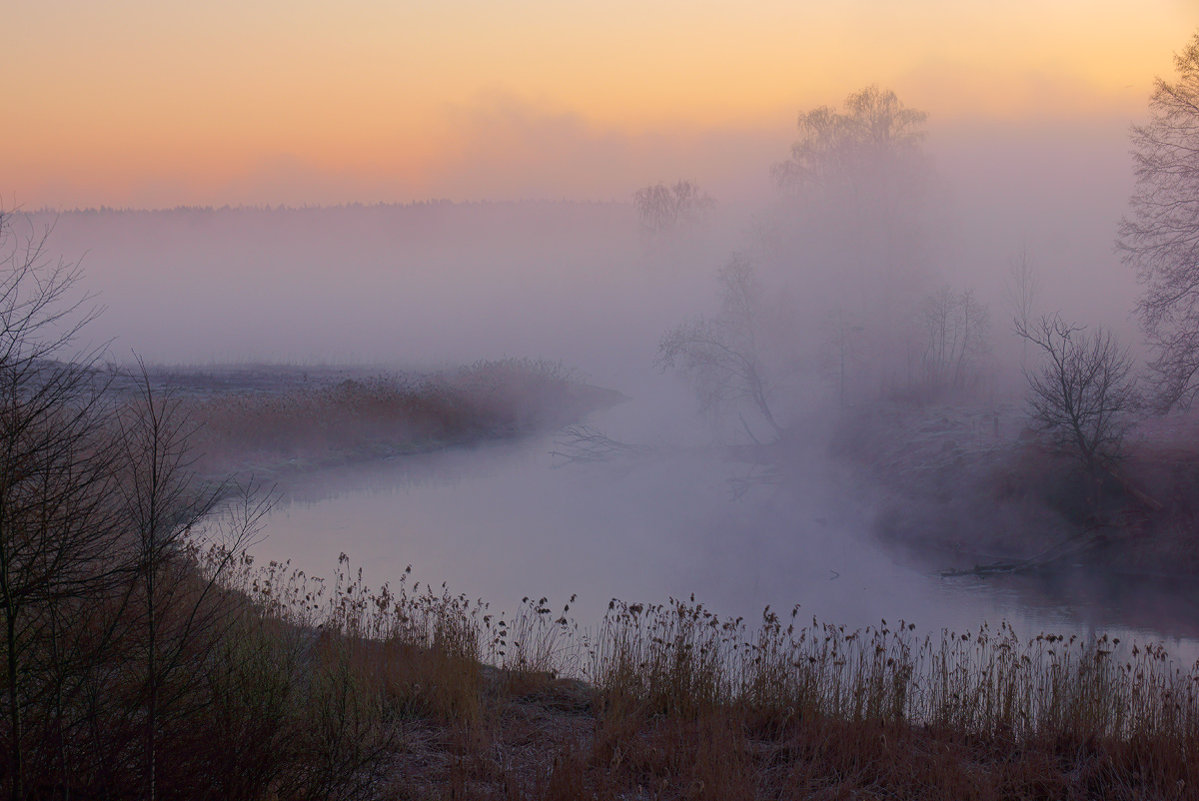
(987, 570)
(1135, 491)
(1071, 546)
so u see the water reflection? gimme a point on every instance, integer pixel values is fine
(1154, 607)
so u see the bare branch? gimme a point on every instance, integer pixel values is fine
(723, 357)
(1084, 395)
(1160, 236)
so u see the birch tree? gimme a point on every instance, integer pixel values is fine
(1159, 237)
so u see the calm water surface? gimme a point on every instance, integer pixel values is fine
(504, 521)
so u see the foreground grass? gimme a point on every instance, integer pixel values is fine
(299, 688)
(417, 693)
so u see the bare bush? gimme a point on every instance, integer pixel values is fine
(1085, 394)
(726, 357)
(956, 328)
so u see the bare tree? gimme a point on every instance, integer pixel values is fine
(113, 553)
(852, 222)
(163, 506)
(1160, 236)
(876, 138)
(59, 532)
(99, 529)
(1085, 394)
(956, 327)
(842, 348)
(182, 611)
(725, 356)
(662, 209)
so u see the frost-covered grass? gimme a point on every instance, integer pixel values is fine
(384, 415)
(672, 701)
(297, 687)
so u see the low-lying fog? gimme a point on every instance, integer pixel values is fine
(508, 521)
(845, 289)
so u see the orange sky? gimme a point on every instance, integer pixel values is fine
(160, 103)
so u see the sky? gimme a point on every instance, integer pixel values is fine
(157, 103)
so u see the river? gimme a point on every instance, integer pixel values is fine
(504, 521)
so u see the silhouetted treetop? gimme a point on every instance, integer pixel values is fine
(875, 134)
(662, 209)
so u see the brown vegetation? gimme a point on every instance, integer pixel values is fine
(192, 673)
(385, 415)
(681, 704)
(931, 469)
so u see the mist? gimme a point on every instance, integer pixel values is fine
(720, 506)
(1055, 188)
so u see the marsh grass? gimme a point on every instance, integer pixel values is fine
(387, 414)
(673, 701)
(330, 689)
(679, 659)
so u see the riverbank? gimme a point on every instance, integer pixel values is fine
(203, 674)
(272, 422)
(974, 489)
(671, 702)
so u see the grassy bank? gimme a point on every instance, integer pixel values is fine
(930, 470)
(141, 655)
(270, 684)
(159, 661)
(294, 425)
(417, 693)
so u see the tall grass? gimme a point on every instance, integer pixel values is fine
(681, 659)
(709, 707)
(328, 689)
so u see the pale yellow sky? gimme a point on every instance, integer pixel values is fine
(160, 103)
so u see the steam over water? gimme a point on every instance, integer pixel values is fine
(440, 285)
(506, 521)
